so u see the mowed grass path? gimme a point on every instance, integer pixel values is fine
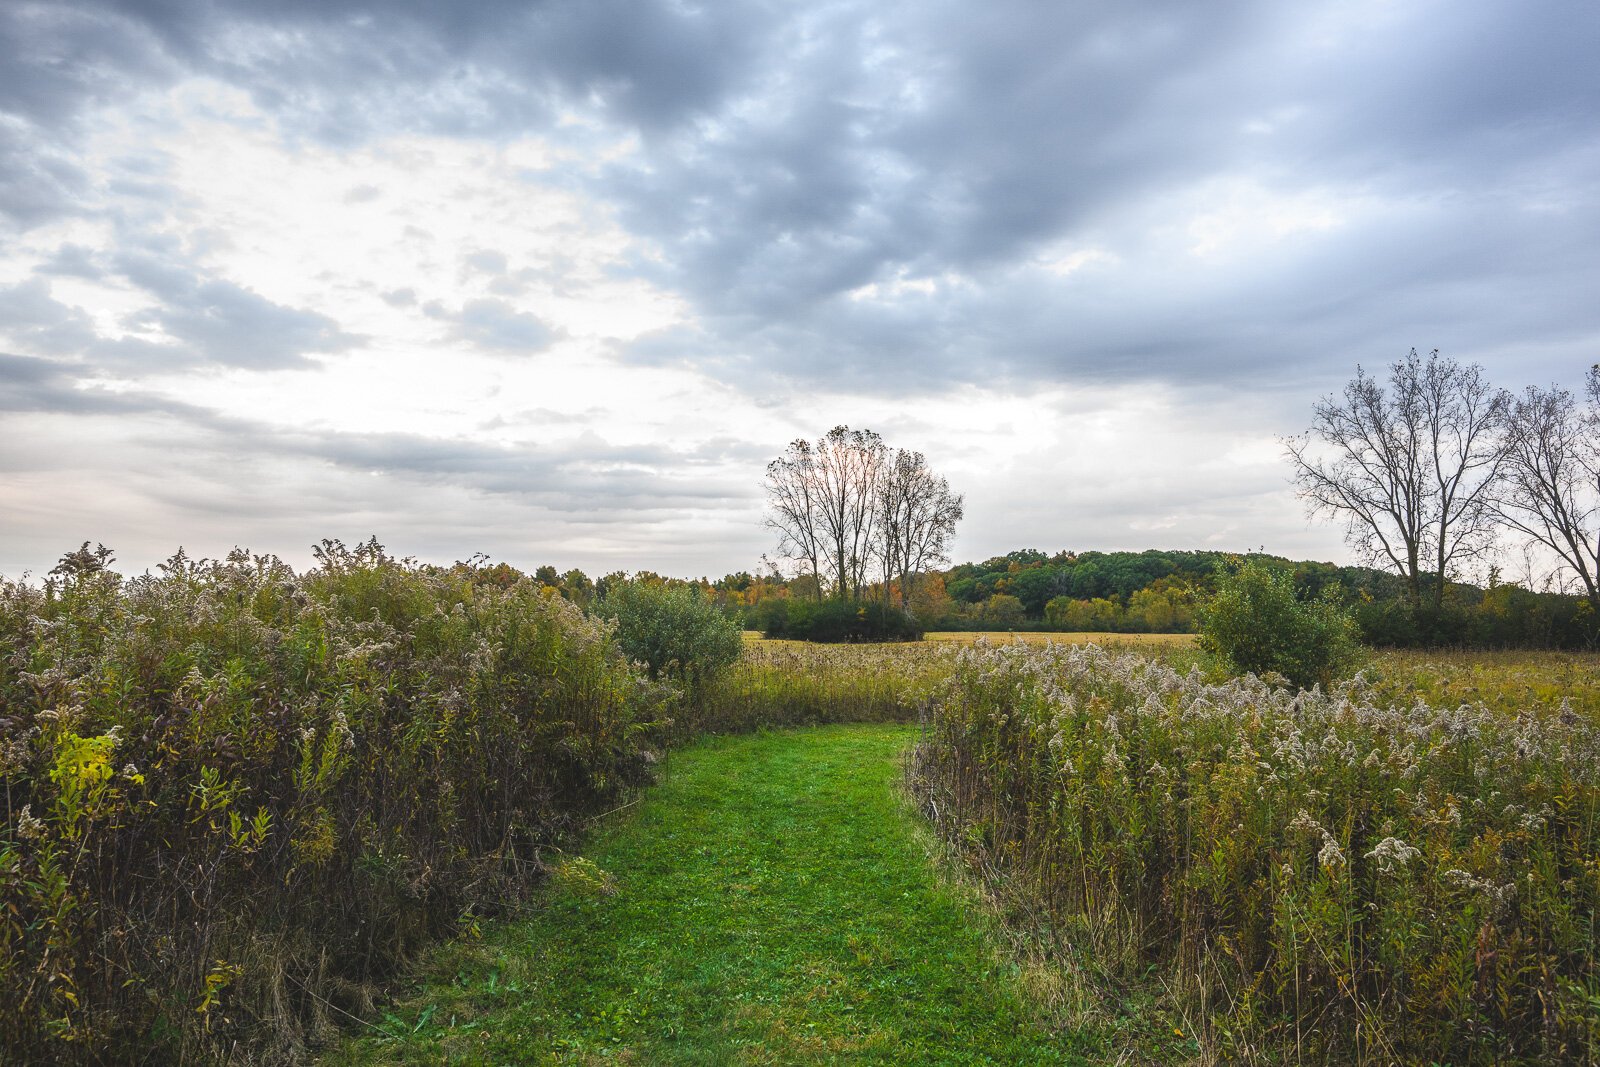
(773, 903)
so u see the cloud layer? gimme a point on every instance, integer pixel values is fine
(527, 272)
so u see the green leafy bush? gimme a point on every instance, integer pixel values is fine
(235, 796)
(1255, 623)
(833, 621)
(672, 629)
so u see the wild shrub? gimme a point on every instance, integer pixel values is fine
(234, 796)
(1318, 876)
(675, 631)
(1255, 623)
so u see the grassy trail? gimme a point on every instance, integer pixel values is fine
(772, 903)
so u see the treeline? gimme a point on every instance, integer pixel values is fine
(1160, 592)
(1153, 591)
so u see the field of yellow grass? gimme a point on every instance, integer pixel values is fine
(967, 637)
(1510, 681)
(1104, 640)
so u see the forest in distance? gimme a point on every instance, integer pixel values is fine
(1435, 472)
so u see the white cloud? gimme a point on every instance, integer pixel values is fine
(493, 276)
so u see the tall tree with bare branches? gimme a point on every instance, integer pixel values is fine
(794, 508)
(1410, 467)
(849, 466)
(844, 503)
(1551, 490)
(917, 516)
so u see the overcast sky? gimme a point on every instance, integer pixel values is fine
(554, 281)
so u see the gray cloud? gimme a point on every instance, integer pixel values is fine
(496, 326)
(34, 318)
(1079, 124)
(236, 327)
(580, 474)
(790, 158)
(59, 59)
(793, 155)
(485, 261)
(71, 260)
(218, 321)
(356, 65)
(36, 184)
(181, 475)
(46, 386)
(209, 320)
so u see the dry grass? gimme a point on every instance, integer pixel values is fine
(1372, 874)
(1537, 682)
(1104, 640)
(968, 637)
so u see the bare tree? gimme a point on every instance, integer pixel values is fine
(795, 507)
(1551, 491)
(1410, 469)
(846, 502)
(1467, 421)
(849, 464)
(917, 515)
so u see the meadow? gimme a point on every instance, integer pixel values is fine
(1046, 637)
(1186, 867)
(240, 801)
(770, 902)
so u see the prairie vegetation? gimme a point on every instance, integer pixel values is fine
(795, 683)
(1103, 638)
(1537, 683)
(238, 799)
(235, 797)
(1322, 875)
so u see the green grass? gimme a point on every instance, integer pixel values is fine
(771, 902)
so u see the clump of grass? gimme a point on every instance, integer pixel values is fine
(235, 796)
(583, 877)
(1315, 874)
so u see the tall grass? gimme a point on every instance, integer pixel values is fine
(1541, 683)
(794, 683)
(1319, 876)
(234, 796)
